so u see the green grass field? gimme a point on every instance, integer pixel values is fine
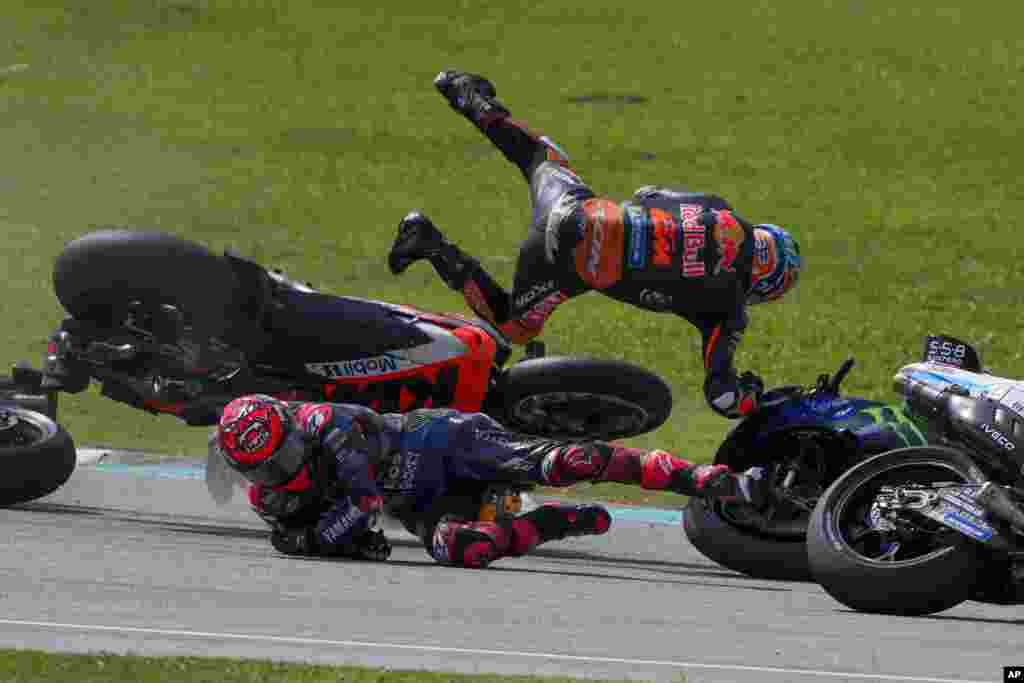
(26, 666)
(885, 135)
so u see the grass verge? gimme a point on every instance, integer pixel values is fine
(27, 666)
(619, 494)
(885, 136)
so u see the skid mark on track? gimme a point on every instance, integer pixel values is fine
(197, 472)
(556, 656)
(180, 523)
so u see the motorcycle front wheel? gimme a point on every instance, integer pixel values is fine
(872, 565)
(569, 397)
(713, 530)
(769, 543)
(36, 455)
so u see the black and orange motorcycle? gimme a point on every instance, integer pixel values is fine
(167, 326)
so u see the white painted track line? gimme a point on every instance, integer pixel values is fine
(293, 640)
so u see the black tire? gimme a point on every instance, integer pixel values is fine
(931, 582)
(99, 274)
(36, 455)
(769, 544)
(742, 551)
(572, 397)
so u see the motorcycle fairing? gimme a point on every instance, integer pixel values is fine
(877, 426)
(940, 376)
(460, 382)
(308, 328)
(386, 356)
(874, 426)
(440, 346)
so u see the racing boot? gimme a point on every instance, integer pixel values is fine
(554, 522)
(718, 481)
(478, 544)
(418, 238)
(661, 470)
(721, 483)
(471, 95)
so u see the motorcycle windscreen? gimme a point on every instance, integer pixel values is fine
(942, 348)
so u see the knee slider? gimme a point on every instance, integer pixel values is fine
(574, 463)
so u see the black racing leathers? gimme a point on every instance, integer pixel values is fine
(664, 250)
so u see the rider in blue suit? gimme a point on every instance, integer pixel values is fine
(321, 473)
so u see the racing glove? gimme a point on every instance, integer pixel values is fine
(295, 540)
(373, 546)
(735, 399)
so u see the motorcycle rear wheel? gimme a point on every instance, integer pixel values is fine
(861, 567)
(568, 397)
(100, 274)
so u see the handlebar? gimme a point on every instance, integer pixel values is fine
(840, 375)
(825, 384)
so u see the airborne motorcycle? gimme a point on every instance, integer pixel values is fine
(169, 327)
(804, 438)
(919, 530)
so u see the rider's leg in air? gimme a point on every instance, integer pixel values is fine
(542, 163)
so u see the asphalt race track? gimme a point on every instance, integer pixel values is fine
(137, 559)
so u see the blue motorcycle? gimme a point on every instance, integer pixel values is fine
(919, 530)
(804, 439)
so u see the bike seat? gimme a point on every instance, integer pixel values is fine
(255, 289)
